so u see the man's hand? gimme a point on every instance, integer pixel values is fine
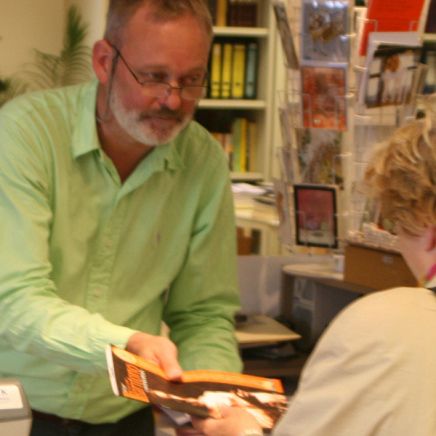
(233, 422)
(157, 349)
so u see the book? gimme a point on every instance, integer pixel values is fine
(212, 8)
(250, 90)
(430, 25)
(216, 70)
(238, 70)
(325, 31)
(239, 143)
(323, 97)
(286, 36)
(251, 145)
(200, 392)
(226, 74)
(391, 16)
(221, 13)
(242, 13)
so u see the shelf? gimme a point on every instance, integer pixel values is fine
(243, 32)
(429, 37)
(209, 103)
(238, 177)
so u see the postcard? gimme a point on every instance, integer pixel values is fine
(391, 75)
(323, 97)
(285, 33)
(315, 215)
(320, 156)
(325, 31)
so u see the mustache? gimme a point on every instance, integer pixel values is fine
(164, 112)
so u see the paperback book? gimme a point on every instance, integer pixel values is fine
(200, 392)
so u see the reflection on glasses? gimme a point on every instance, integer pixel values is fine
(161, 89)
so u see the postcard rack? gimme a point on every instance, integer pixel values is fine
(333, 111)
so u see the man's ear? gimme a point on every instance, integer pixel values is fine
(102, 58)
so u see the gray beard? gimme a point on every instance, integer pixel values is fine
(138, 127)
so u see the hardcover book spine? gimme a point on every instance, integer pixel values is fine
(226, 79)
(238, 70)
(216, 70)
(251, 70)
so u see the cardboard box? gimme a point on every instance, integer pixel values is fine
(376, 268)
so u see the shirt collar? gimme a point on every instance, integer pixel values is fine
(85, 138)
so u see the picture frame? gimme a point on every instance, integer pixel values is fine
(316, 223)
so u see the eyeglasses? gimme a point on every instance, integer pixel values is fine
(161, 89)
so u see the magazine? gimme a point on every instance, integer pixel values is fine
(200, 392)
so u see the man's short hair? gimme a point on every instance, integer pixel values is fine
(120, 11)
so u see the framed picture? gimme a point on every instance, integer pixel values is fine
(315, 215)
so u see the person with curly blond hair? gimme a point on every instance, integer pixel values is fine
(373, 371)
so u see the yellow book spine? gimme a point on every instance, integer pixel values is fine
(238, 70)
(221, 12)
(226, 79)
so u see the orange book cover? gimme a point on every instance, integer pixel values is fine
(391, 16)
(200, 392)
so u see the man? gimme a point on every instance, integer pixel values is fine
(116, 214)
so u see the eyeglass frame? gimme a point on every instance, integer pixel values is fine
(168, 86)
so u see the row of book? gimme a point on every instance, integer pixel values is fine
(233, 69)
(239, 145)
(242, 13)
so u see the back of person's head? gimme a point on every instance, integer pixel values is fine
(120, 11)
(401, 174)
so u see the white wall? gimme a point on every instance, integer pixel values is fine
(40, 24)
(94, 13)
(28, 24)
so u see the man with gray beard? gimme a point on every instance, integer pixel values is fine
(117, 215)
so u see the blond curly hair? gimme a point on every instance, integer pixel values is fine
(401, 177)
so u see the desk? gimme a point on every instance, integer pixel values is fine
(320, 273)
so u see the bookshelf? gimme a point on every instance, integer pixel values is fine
(218, 114)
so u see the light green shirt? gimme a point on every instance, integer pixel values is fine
(87, 260)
